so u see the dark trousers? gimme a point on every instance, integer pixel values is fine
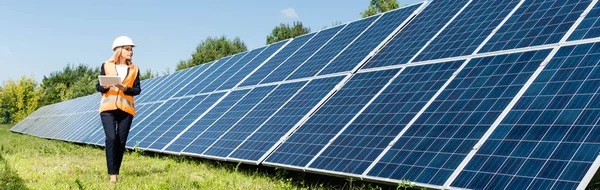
(116, 128)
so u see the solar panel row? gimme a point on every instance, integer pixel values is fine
(471, 94)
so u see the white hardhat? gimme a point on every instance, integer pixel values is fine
(122, 41)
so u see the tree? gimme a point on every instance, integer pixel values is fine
(20, 98)
(147, 74)
(285, 31)
(86, 85)
(212, 49)
(71, 82)
(384, 6)
(4, 112)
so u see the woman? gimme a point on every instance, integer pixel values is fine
(117, 106)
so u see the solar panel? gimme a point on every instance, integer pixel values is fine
(200, 82)
(357, 146)
(62, 120)
(89, 125)
(238, 132)
(549, 139)
(167, 119)
(434, 145)
(255, 64)
(468, 30)
(190, 74)
(404, 45)
(207, 68)
(537, 23)
(305, 143)
(269, 135)
(276, 60)
(589, 27)
(75, 120)
(83, 127)
(372, 39)
(333, 48)
(165, 87)
(209, 78)
(213, 132)
(220, 80)
(303, 54)
(194, 109)
(159, 116)
(200, 124)
(143, 97)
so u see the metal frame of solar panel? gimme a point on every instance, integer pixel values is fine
(414, 102)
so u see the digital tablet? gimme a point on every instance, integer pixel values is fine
(109, 80)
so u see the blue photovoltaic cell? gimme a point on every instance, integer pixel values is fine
(368, 41)
(165, 114)
(230, 118)
(537, 23)
(143, 97)
(89, 126)
(143, 111)
(551, 136)
(284, 120)
(93, 137)
(165, 87)
(240, 131)
(83, 127)
(160, 89)
(468, 30)
(332, 48)
(189, 74)
(187, 104)
(74, 125)
(589, 27)
(276, 60)
(221, 108)
(148, 84)
(138, 126)
(208, 68)
(57, 132)
(200, 107)
(302, 55)
(368, 135)
(416, 34)
(440, 138)
(214, 75)
(331, 117)
(193, 73)
(56, 126)
(220, 80)
(248, 68)
(25, 123)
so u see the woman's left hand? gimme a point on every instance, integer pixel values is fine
(121, 87)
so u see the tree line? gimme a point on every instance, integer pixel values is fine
(21, 97)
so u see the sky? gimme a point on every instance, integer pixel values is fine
(41, 37)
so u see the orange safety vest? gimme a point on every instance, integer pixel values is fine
(116, 99)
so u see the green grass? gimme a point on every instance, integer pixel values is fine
(28, 162)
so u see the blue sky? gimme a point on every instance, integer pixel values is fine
(39, 37)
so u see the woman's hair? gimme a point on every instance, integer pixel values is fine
(117, 57)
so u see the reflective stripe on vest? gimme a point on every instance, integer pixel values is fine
(116, 99)
(113, 98)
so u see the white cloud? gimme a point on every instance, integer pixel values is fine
(290, 13)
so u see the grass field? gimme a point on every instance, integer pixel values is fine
(28, 162)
